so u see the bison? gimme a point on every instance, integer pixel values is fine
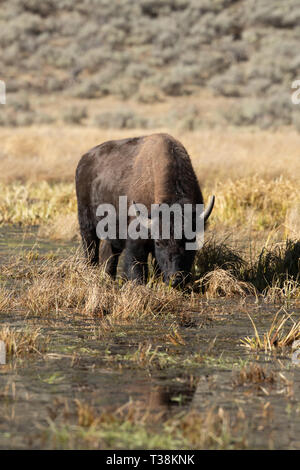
(153, 169)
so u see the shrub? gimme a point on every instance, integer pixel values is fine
(74, 115)
(229, 84)
(149, 96)
(124, 88)
(266, 113)
(87, 89)
(237, 48)
(173, 85)
(121, 119)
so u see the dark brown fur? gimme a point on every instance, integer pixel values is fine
(148, 170)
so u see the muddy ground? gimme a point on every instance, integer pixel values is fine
(147, 384)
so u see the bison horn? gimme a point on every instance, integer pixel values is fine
(209, 209)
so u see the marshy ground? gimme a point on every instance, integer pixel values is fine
(93, 363)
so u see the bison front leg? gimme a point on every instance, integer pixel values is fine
(109, 257)
(90, 243)
(136, 261)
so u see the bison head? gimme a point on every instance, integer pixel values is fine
(174, 260)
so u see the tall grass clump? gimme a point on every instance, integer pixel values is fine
(217, 254)
(276, 268)
(221, 283)
(277, 337)
(20, 342)
(56, 287)
(220, 270)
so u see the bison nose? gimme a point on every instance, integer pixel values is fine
(177, 280)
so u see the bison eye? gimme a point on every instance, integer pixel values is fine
(158, 243)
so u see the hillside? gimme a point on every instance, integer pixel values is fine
(244, 54)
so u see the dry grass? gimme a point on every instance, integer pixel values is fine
(56, 286)
(277, 337)
(276, 269)
(131, 412)
(51, 153)
(249, 203)
(253, 374)
(5, 299)
(52, 286)
(218, 254)
(20, 342)
(46, 284)
(254, 175)
(214, 429)
(33, 204)
(87, 415)
(282, 291)
(131, 301)
(219, 155)
(292, 222)
(127, 427)
(63, 227)
(131, 426)
(221, 283)
(273, 271)
(255, 201)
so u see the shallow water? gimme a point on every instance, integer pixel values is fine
(200, 374)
